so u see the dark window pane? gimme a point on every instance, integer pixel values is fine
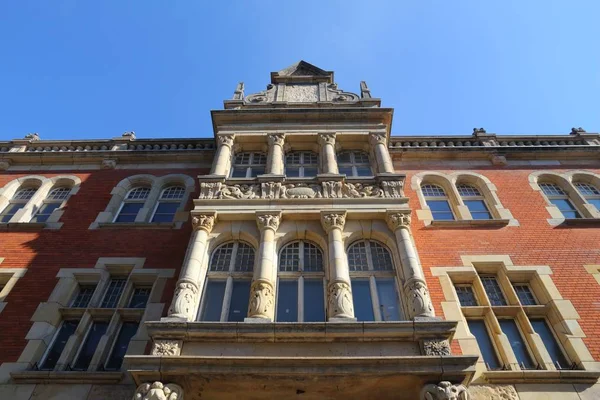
(565, 206)
(113, 293)
(440, 209)
(510, 329)
(314, 300)
(165, 212)
(238, 307)
(84, 296)
(478, 209)
(129, 212)
(492, 288)
(89, 346)
(255, 171)
(213, 301)
(128, 329)
(363, 305)
(346, 170)
(344, 157)
(541, 328)
(478, 329)
(11, 210)
(466, 296)
(309, 172)
(364, 171)
(287, 301)
(139, 298)
(524, 294)
(239, 172)
(45, 211)
(388, 299)
(292, 172)
(595, 203)
(66, 330)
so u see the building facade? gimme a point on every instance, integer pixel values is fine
(303, 252)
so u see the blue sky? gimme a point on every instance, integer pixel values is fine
(94, 69)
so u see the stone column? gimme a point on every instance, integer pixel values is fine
(339, 292)
(262, 291)
(158, 391)
(382, 154)
(276, 153)
(328, 160)
(444, 391)
(185, 299)
(414, 286)
(222, 161)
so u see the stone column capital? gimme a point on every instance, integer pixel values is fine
(158, 391)
(268, 220)
(276, 139)
(444, 391)
(262, 299)
(398, 220)
(377, 138)
(225, 140)
(333, 219)
(205, 222)
(326, 138)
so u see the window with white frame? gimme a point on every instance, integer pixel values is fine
(373, 278)
(227, 288)
(300, 288)
(168, 204)
(248, 165)
(354, 163)
(590, 193)
(438, 202)
(301, 164)
(17, 202)
(134, 201)
(474, 201)
(54, 200)
(559, 198)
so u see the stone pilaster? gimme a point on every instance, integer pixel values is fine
(415, 286)
(382, 155)
(339, 291)
(444, 391)
(158, 391)
(222, 161)
(329, 162)
(191, 278)
(276, 141)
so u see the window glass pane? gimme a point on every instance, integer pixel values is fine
(388, 299)
(173, 193)
(586, 189)
(84, 296)
(524, 294)
(382, 259)
(221, 258)
(551, 189)
(44, 212)
(478, 329)
(289, 259)
(255, 171)
(492, 288)
(59, 194)
(346, 171)
(239, 172)
(165, 212)
(287, 301)
(467, 190)
(293, 158)
(139, 298)
(65, 332)
(138, 194)
(440, 210)
(129, 212)
(364, 171)
(510, 329)
(310, 172)
(292, 172)
(363, 305)
(432, 191)
(128, 329)
(238, 308)
(314, 301)
(361, 157)
(541, 328)
(478, 209)
(344, 157)
(565, 207)
(595, 203)
(259, 159)
(213, 301)
(89, 347)
(242, 158)
(313, 258)
(25, 194)
(357, 257)
(310, 158)
(11, 210)
(113, 293)
(244, 259)
(466, 296)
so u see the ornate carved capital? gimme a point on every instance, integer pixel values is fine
(204, 221)
(444, 391)
(225, 140)
(262, 300)
(184, 300)
(268, 220)
(436, 348)
(166, 348)
(397, 220)
(339, 298)
(326, 138)
(377, 138)
(331, 220)
(276, 139)
(419, 299)
(158, 391)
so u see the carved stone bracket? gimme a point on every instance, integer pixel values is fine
(268, 220)
(331, 220)
(262, 300)
(339, 298)
(397, 220)
(166, 347)
(184, 300)
(419, 299)
(158, 391)
(436, 347)
(444, 391)
(204, 221)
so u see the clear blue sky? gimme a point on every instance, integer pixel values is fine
(94, 69)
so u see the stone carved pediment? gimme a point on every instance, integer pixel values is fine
(335, 95)
(266, 96)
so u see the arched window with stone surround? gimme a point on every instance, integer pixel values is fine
(134, 201)
(474, 200)
(17, 202)
(301, 164)
(53, 201)
(248, 165)
(438, 202)
(168, 204)
(354, 163)
(559, 198)
(373, 278)
(227, 288)
(300, 287)
(590, 193)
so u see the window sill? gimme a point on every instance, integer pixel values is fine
(66, 377)
(22, 226)
(541, 376)
(581, 222)
(470, 222)
(137, 225)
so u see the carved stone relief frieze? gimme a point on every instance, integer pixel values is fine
(392, 189)
(166, 348)
(158, 391)
(245, 192)
(301, 93)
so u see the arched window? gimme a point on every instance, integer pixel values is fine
(133, 203)
(560, 199)
(168, 204)
(227, 289)
(18, 201)
(474, 201)
(438, 203)
(300, 293)
(248, 165)
(301, 164)
(590, 193)
(53, 201)
(374, 288)
(354, 163)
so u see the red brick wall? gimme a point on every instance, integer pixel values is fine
(74, 245)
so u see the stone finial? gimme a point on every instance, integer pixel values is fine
(444, 391)
(225, 140)
(365, 92)
(33, 137)
(331, 220)
(205, 222)
(577, 131)
(478, 131)
(158, 391)
(268, 220)
(238, 94)
(276, 139)
(326, 138)
(129, 135)
(397, 220)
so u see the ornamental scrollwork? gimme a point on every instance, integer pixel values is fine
(158, 391)
(340, 300)
(268, 221)
(361, 190)
(246, 192)
(392, 189)
(301, 191)
(204, 221)
(166, 348)
(262, 300)
(420, 302)
(263, 96)
(333, 189)
(334, 94)
(209, 190)
(333, 220)
(436, 348)
(184, 300)
(444, 391)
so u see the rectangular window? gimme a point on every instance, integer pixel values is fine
(363, 303)
(292, 172)
(255, 171)
(89, 346)
(113, 293)
(287, 301)
(388, 299)
(240, 295)
(310, 172)
(213, 301)
(314, 300)
(10, 210)
(165, 212)
(479, 330)
(566, 208)
(510, 329)
(556, 354)
(492, 288)
(66, 330)
(440, 210)
(44, 213)
(348, 171)
(478, 209)
(239, 172)
(115, 360)
(364, 171)
(83, 296)
(525, 295)
(129, 212)
(139, 298)
(466, 296)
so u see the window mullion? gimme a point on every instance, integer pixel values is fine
(374, 298)
(227, 299)
(300, 282)
(370, 265)
(234, 251)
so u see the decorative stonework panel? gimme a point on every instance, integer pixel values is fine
(262, 300)
(158, 391)
(301, 93)
(492, 392)
(444, 391)
(166, 348)
(245, 192)
(340, 300)
(436, 348)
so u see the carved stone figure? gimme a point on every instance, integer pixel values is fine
(333, 220)
(478, 130)
(398, 220)
(575, 131)
(238, 94)
(109, 164)
(300, 191)
(420, 303)
(361, 190)
(332, 189)
(32, 137)
(262, 299)
(166, 348)
(246, 192)
(129, 135)
(203, 221)
(225, 140)
(268, 221)
(209, 190)
(271, 190)
(392, 189)
(436, 348)
(184, 300)
(444, 391)
(340, 300)
(158, 391)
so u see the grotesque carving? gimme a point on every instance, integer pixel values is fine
(436, 348)
(333, 189)
(340, 300)
(262, 299)
(204, 221)
(392, 189)
(333, 220)
(444, 391)
(166, 348)
(246, 192)
(158, 391)
(109, 164)
(420, 302)
(268, 221)
(397, 220)
(33, 137)
(209, 190)
(184, 300)
(360, 190)
(4, 164)
(129, 135)
(271, 190)
(225, 140)
(478, 130)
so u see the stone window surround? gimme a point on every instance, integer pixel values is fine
(44, 185)
(49, 315)
(8, 280)
(594, 270)
(461, 212)
(565, 181)
(157, 184)
(558, 312)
